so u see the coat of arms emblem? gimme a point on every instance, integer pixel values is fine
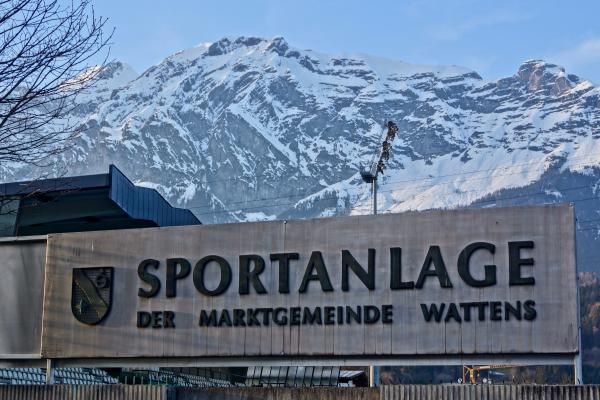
(91, 294)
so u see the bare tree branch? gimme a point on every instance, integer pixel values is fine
(45, 48)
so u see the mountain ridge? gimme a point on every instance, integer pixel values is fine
(249, 128)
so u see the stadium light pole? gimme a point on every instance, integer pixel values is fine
(369, 175)
(377, 166)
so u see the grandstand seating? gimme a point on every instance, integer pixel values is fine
(163, 377)
(37, 376)
(255, 376)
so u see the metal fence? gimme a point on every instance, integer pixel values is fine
(274, 393)
(403, 392)
(490, 392)
(82, 392)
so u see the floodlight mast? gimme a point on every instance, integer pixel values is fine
(369, 175)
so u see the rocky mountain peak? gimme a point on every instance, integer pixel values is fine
(118, 69)
(541, 75)
(279, 46)
(227, 44)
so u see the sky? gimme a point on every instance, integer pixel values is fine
(491, 37)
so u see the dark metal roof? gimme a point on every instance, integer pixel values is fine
(27, 188)
(83, 203)
(145, 203)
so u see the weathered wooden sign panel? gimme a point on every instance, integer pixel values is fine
(22, 293)
(496, 281)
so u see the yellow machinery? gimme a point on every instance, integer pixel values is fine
(472, 372)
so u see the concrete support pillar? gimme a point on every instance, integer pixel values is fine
(578, 370)
(49, 372)
(373, 376)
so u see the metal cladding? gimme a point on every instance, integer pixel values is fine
(85, 203)
(423, 287)
(400, 392)
(145, 203)
(83, 392)
(508, 392)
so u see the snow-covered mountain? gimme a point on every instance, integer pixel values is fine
(248, 128)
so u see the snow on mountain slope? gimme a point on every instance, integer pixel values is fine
(248, 128)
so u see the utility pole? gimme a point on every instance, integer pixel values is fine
(374, 192)
(369, 175)
(577, 362)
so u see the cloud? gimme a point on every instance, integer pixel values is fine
(586, 54)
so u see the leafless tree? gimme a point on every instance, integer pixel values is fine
(46, 47)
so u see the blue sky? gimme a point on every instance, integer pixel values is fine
(492, 37)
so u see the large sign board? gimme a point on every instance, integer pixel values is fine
(496, 281)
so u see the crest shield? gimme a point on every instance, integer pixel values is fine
(91, 294)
